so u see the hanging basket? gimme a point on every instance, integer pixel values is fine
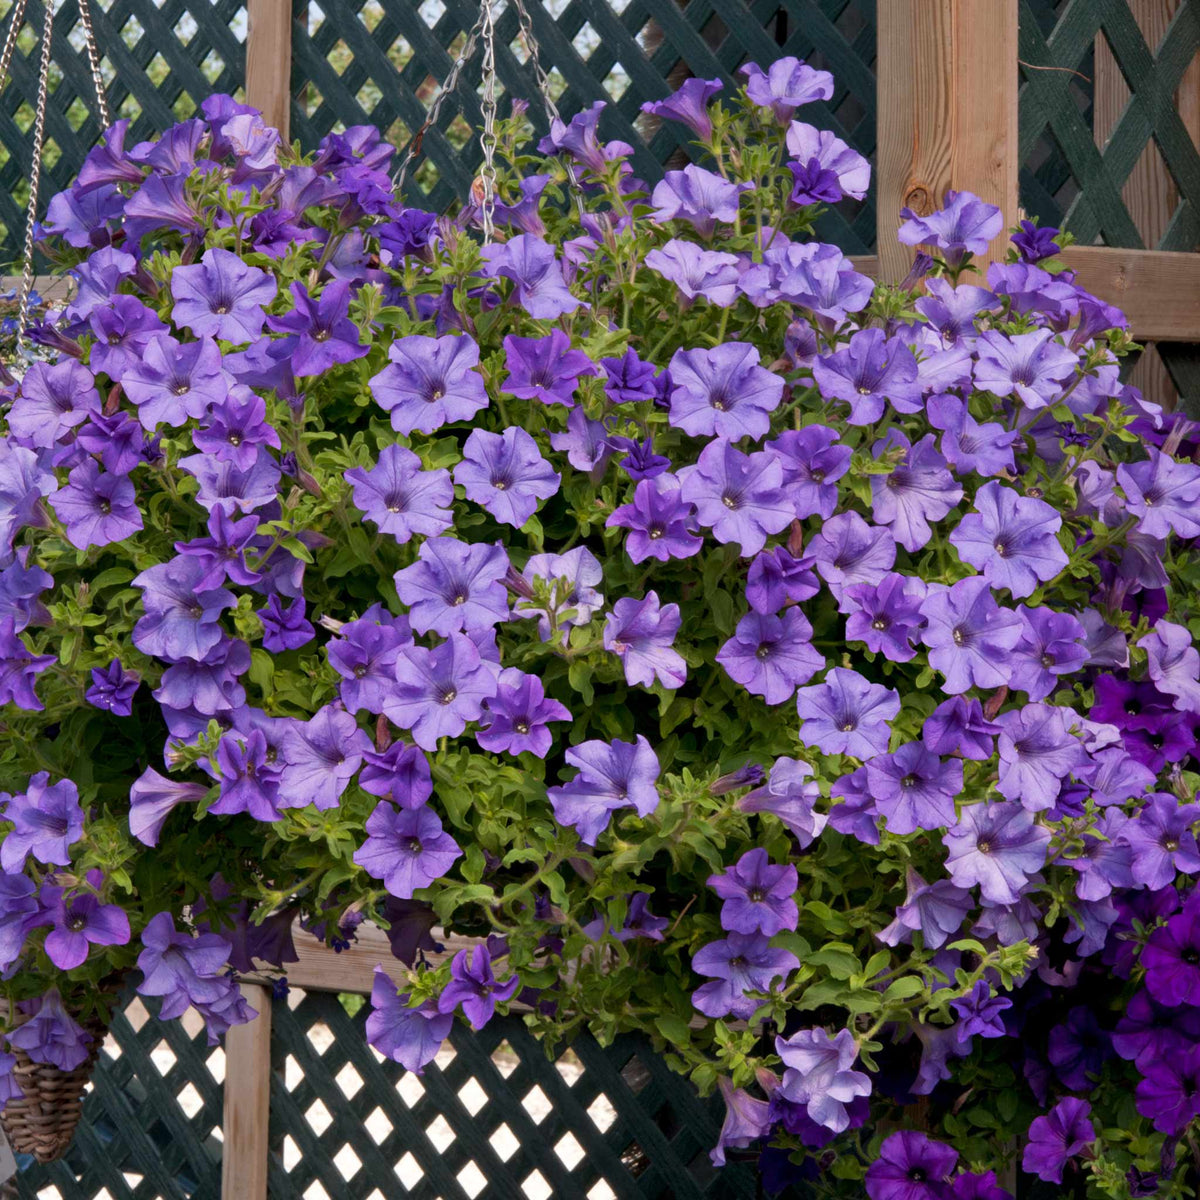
(43, 1121)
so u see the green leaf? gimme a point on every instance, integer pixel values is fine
(674, 1029)
(904, 988)
(837, 960)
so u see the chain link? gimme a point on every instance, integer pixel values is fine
(85, 16)
(487, 173)
(35, 173)
(16, 20)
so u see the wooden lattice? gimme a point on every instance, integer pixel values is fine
(151, 1124)
(493, 1119)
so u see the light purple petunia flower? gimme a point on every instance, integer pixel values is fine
(1173, 663)
(401, 773)
(50, 1035)
(697, 272)
(585, 442)
(738, 964)
(545, 368)
(51, 400)
(47, 821)
(407, 848)
(848, 551)
(1011, 538)
(519, 715)
(19, 910)
(612, 776)
(79, 921)
(123, 329)
(320, 757)
(1163, 840)
(969, 635)
(224, 485)
(537, 276)
(998, 846)
(952, 311)
(887, 615)
(1037, 753)
(455, 586)
(151, 799)
(506, 474)
(688, 105)
(1030, 366)
(746, 1119)
(1051, 646)
(819, 1074)
(473, 986)
(846, 714)
(1163, 494)
(118, 440)
(661, 525)
(642, 633)
(19, 668)
(914, 788)
(813, 461)
(790, 794)
(364, 655)
(786, 85)
(758, 895)
(439, 691)
(23, 482)
(723, 392)
(936, 911)
(738, 496)
(575, 574)
(965, 225)
(249, 779)
(236, 428)
(180, 620)
(410, 1036)
(175, 381)
(223, 552)
(809, 275)
(771, 656)
(869, 373)
(320, 333)
(221, 297)
(430, 381)
(698, 196)
(918, 489)
(98, 507)
(402, 499)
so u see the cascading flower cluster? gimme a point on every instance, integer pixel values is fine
(796, 670)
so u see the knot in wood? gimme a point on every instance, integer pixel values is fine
(918, 198)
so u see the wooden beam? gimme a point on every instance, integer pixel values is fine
(269, 60)
(947, 103)
(247, 1119)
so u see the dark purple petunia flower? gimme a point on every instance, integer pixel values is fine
(848, 550)
(936, 911)
(910, 1166)
(455, 586)
(1057, 1137)
(870, 373)
(1149, 1032)
(506, 474)
(661, 525)
(406, 848)
(223, 553)
(688, 105)
(473, 986)
(79, 921)
(430, 381)
(519, 716)
(611, 776)
(979, 1013)
(1078, 1048)
(118, 440)
(364, 655)
(439, 691)
(786, 85)
(738, 964)
(629, 380)
(998, 846)
(723, 392)
(180, 621)
(161, 203)
(113, 689)
(758, 895)
(813, 461)
(222, 297)
(1171, 957)
(537, 276)
(1035, 242)
(320, 332)
(249, 779)
(776, 577)
(401, 498)
(236, 428)
(738, 496)
(642, 633)
(410, 1036)
(85, 221)
(846, 714)
(969, 635)
(914, 789)
(545, 368)
(1169, 1093)
(887, 615)
(824, 166)
(50, 1035)
(285, 628)
(917, 490)
(771, 656)
(1030, 366)
(47, 821)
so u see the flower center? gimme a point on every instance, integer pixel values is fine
(961, 635)
(436, 392)
(235, 439)
(76, 923)
(729, 499)
(757, 895)
(521, 724)
(180, 387)
(909, 781)
(655, 532)
(320, 335)
(360, 672)
(448, 696)
(105, 507)
(880, 623)
(984, 847)
(414, 845)
(763, 651)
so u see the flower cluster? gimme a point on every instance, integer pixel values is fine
(797, 670)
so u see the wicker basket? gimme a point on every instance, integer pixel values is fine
(44, 1120)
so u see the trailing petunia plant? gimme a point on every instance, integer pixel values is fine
(798, 671)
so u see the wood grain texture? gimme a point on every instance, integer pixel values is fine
(269, 60)
(247, 1118)
(947, 102)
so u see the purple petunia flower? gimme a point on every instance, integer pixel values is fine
(936, 911)
(849, 551)
(221, 297)
(660, 524)
(401, 498)
(847, 714)
(236, 428)
(223, 553)
(410, 1036)
(723, 392)
(519, 716)
(917, 490)
(1058, 1136)
(979, 1013)
(642, 633)
(611, 776)
(998, 846)
(964, 226)
(786, 85)
(776, 577)
(629, 380)
(698, 196)
(455, 586)
(545, 368)
(1162, 493)
(113, 689)
(249, 779)
(758, 895)
(537, 276)
(47, 821)
(697, 272)
(19, 909)
(887, 615)
(738, 964)
(746, 1119)
(1173, 663)
(406, 848)
(688, 105)
(968, 634)
(910, 1166)
(223, 485)
(320, 332)
(1011, 538)
(320, 757)
(151, 799)
(430, 381)
(506, 474)
(174, 381)
(98, 508)
(1169, 1095)
(789, 794)
(49, 1034)
(871, 372)
(285, 628)
(1030, 366)
(180, 621)
(51, 401)
(813, 461)
(738, 496)
(1051, 646)
(79, 922)
(822, 157)
(439, 691)
(473, 986)
(771, 656)
(819, 1074)
(19, 668)
(1037, 752)
(123, 329)
(1163, 841)
(914, 789)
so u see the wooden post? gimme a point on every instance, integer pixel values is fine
(947, 103)
(269, 60)
(248, 1102)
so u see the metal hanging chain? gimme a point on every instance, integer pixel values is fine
(89, 37)
(435, 109)
(35, 173)
(15, 23)
(487, 139)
